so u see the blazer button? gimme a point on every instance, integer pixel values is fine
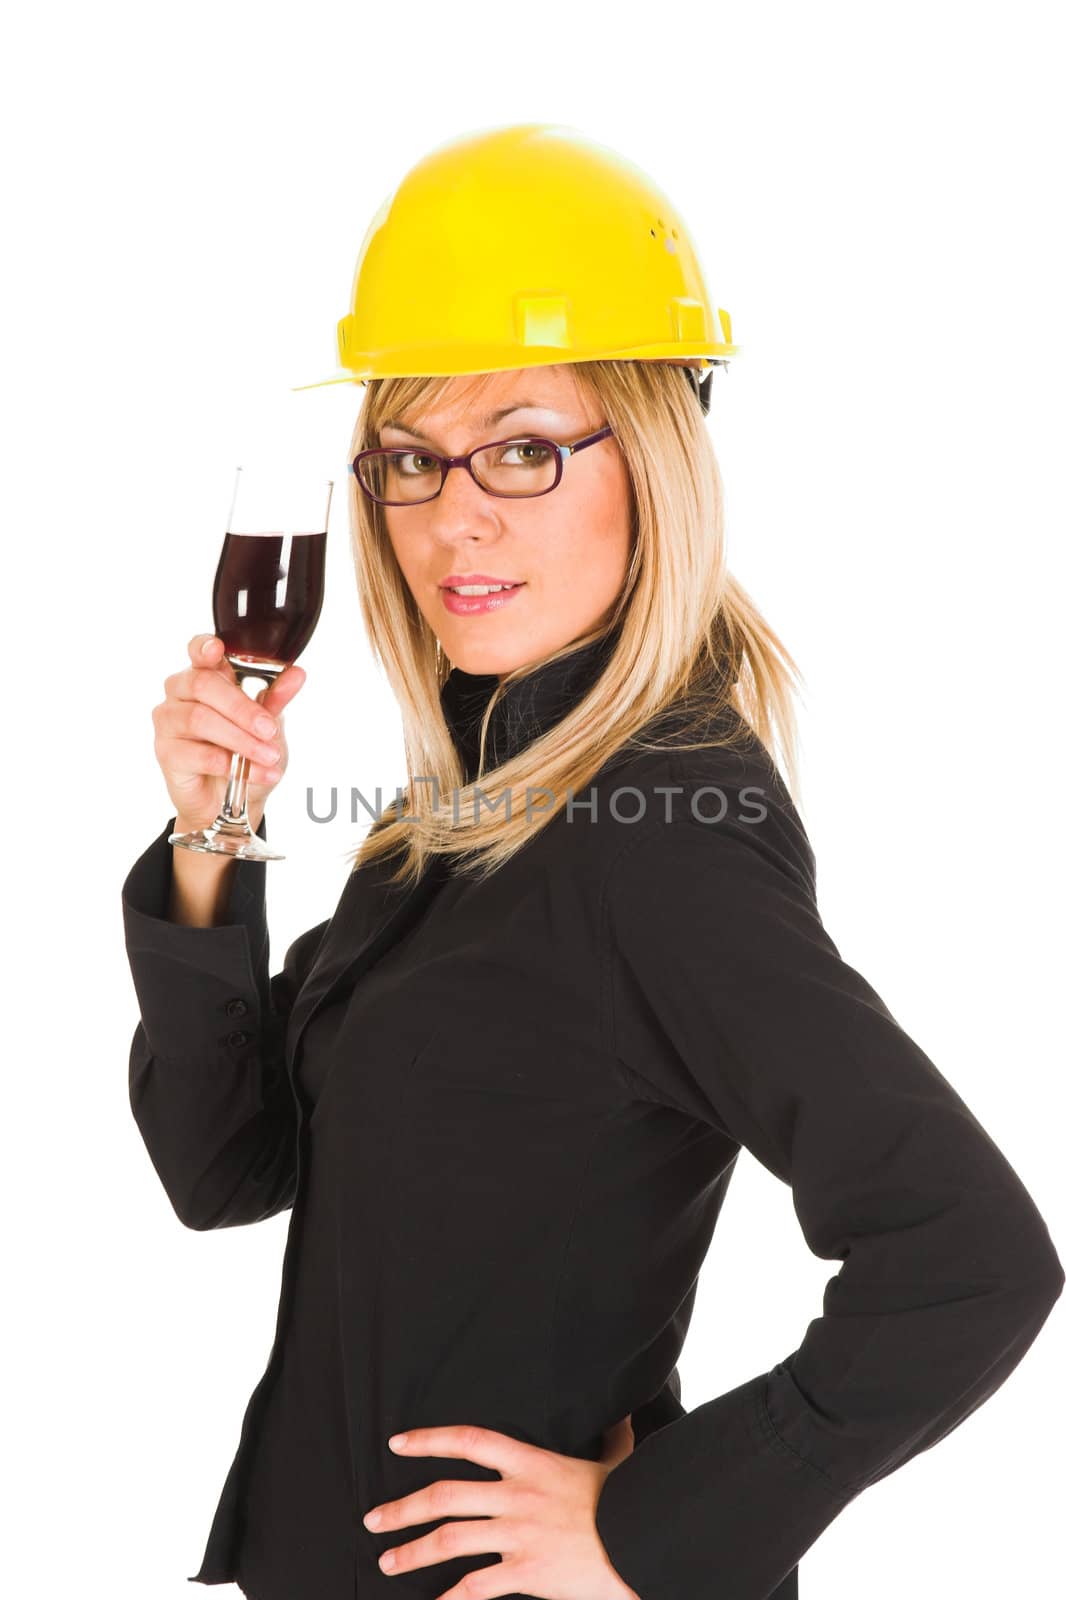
(237, 1038)
(236, 1008)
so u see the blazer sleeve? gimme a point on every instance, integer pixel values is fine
(659, 1410)
(764, 1032)
(208, 1085)
(665, 1407)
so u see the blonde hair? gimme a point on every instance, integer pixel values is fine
(685, 628)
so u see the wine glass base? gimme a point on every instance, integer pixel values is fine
(226, 840)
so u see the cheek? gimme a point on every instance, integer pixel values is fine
(612, 538)
(608, 554)
(587, 554)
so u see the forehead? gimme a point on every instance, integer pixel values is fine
(483, 399)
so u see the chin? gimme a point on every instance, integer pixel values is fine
(486, 657)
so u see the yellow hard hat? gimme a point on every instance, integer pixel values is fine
(524, 246)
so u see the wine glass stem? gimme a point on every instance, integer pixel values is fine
(234, 811)
(235, 805)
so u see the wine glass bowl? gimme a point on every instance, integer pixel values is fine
(267, 598)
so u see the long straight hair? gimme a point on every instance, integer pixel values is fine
(687, 633)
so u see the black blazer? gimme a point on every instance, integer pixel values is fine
(532, 1095)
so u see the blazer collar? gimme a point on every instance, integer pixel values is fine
(527, 708)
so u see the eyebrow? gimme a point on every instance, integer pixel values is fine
(490, 418)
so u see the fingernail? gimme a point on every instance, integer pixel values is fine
(397, 1441)
(265, 725)
(207, 646)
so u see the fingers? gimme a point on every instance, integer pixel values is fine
(192, 758)
(216, 690)
(206, 718)
(198, 719)
(285, 686)
(205, 649)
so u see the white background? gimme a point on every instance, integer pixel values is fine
(876, 198)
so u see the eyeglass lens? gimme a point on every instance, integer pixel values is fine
(513, 469)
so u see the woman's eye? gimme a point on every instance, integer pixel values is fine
(425, 462)
(530, 454)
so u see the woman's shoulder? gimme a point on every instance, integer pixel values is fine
(717, 751)
(714, 791)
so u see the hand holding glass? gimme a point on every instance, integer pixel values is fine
(267, 599)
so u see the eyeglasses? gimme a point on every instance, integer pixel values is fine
(397, 477)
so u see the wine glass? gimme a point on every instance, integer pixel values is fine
(267, 599)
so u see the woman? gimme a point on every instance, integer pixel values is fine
(504, 1087)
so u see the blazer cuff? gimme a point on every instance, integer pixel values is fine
(170, 961)
(715, 1503)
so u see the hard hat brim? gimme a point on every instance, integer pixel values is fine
(422, 363)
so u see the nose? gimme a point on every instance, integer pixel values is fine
(463, 509)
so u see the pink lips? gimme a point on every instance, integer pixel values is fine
(454, 579)
(462, 605)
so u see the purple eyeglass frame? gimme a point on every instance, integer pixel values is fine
(448, 462)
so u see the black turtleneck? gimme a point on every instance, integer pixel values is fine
(528, 708)
(532, 705)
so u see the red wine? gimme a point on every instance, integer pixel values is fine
(268, 593)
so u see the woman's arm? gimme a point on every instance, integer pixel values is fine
(207, 1080)
(763, 1030)
(200, 884)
